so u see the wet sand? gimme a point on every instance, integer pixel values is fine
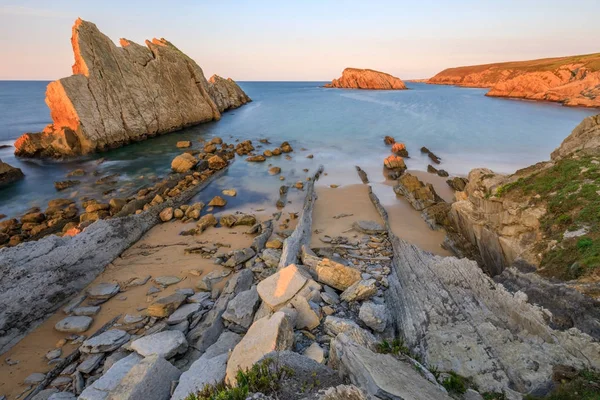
(160, 252)
(353, 199)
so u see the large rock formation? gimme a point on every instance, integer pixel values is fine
(9, 174)
(573, 81)
(355, 78)
(118, 95)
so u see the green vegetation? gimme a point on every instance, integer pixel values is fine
(396, 347)
(493, 396)
(586, 386)
(570, 191)
(455, 383)
(264, 377)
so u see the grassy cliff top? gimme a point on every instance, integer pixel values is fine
(590, 61)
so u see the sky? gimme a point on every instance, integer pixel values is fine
(304, 40)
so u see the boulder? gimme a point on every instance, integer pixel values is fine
(240, 311)
(334, 326)
(278, 289)
(307, 317)
(418, 194)
(256, 158)
(457, 183)
(400, 149)
(336, 275)
(361, 290)
(166, 344)
(375, 316)
(105, 342)
(229, 192)
(73, 324)
(381, 375)
(205, 222)
(315, 352)
(216, 163)
(165, 306)
(183, 313)
(9, 174)
(273, 333)
(166, 215)
(395, 163)
(182, 144)
(101, 388)
(209, 369)
(136, 92)
(217, 201)
(150, 379)
(183, 163)
(389, 140)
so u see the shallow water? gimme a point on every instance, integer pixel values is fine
(341, 128)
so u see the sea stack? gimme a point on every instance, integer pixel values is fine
(119, 95)
(573, 81)
(355, 78)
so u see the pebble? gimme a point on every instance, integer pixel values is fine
(165, 281)
(52, 354)
(34, 378)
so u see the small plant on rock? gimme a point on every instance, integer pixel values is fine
(455, 383)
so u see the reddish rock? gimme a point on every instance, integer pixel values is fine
(394, 162)
(216, 163)
(400, 149)
(389, 140)
(573, 81)
(354, 78)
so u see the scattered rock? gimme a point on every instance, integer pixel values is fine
(274, 171)
(105, 342)
(361, 290)
(400, 149)
(240, 311)
(457, 183)
(184, 162)
(389, 140)
(150, 379)
(183, 313)
(165, 344)
(278, 289)
(216, 163)
(375, 316)
(62, 185)
(217, 201)
(103, 291)
(166, 281)
(182, 144)
(89, 311)
(73, 324)
(368, 227)
(315, 352)
(394, 163)
(336, 275)
(418, 194)
(53, 354)
(166, 215)
(34, 378)
(229, 192)
(165, 306)
(274, 333)
(90, 363)
(256, 158)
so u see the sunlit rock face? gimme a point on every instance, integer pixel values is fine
(119, 95)
(354, 78)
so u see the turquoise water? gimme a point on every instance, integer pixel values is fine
(341, 128)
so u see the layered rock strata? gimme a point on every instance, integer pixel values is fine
(355, 78)
(119, 95)
(573, 81)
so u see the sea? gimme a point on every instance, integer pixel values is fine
(341, 128)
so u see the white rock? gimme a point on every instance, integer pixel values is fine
(183, 313)
(150, 379)
(165, 344)
(307, 317)
(34, 378)
(100, 389)
(274, 333)
(87, 311)
(73, 324)
(375, 316)
(315, 352)
(105, 342)
(103, 291)
(281, 287)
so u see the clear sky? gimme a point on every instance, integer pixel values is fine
(304, 40)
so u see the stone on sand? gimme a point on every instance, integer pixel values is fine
(165, 344)
(73, 324)
(105, 342)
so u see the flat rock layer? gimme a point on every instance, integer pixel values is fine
(573, 81)
(118, 95)
(354, 78)
(457, 318)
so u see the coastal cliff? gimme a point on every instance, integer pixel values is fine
(573, 81)
(354, 78)
(119, 95)
(542, 218)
